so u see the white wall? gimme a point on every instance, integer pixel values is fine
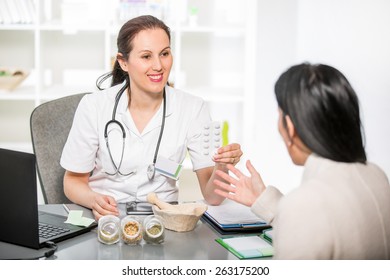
(277, 35)
(354, 37)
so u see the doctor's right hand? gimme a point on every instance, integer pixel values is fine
(104, 205)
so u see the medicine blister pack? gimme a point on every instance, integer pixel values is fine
(211, 138)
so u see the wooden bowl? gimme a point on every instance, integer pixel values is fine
(182, 217)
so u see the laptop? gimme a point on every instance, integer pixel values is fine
(21, 222)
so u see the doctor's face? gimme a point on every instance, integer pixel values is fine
(150, 61)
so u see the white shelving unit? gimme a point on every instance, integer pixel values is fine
(212, 47)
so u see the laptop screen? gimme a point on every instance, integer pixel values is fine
(18, 198)
(20, 220)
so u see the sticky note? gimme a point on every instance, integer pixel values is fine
(75, 217)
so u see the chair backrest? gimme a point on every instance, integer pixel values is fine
(50, 124)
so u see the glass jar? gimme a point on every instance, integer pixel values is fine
(153, 230)
(131, 230)
(108, 229)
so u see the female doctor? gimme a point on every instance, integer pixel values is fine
(121, 134)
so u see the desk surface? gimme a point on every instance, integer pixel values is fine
(198, 244)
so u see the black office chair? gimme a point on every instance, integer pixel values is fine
(50, 124)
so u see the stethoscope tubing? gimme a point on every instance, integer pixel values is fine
(114, 121)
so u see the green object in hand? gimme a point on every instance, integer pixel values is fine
(225, 131)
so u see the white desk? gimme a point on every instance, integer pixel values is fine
(198, 244)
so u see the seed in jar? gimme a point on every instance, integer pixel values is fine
(154, 230)
(131, 228)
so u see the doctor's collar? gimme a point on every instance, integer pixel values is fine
(124, 101)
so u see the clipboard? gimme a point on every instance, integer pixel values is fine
(231, 217)
(234, 228)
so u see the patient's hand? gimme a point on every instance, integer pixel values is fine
(241, 188)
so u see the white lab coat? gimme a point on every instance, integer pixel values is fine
(86, 151)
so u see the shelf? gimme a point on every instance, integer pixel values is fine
(17, 146)
(18, 96)
(67, 53)
(21, 93)
(17, 26)
(58, 91)
(57, 25)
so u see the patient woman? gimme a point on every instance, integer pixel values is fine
(341, 210)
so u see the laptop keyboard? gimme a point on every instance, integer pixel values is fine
(48, 231)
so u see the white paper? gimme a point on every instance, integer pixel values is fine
(230, 212)
(246, 243)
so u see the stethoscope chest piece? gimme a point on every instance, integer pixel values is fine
(151, 171)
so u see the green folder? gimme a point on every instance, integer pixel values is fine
(247, 246)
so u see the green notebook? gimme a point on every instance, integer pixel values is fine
(268, 234)
(247, 246)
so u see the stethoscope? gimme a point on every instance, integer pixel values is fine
(151, 170)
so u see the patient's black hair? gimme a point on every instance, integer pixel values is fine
(324, 109)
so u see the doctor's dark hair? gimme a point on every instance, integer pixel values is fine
(125, 45)
(324, 109)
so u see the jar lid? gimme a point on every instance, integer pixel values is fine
(109, 229)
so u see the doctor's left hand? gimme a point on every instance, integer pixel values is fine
(229, 154)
